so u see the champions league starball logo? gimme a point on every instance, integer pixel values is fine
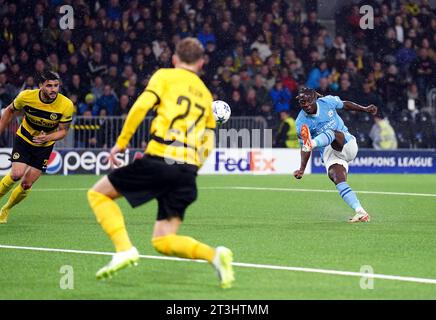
(54, 164)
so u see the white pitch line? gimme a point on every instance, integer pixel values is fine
(268, 189)
(58, 189)
(245, 265)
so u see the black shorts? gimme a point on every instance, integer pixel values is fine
(173, 185)
(36, 157)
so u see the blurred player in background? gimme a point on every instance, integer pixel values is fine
(47, 118)
(320, 120)
(181, 137)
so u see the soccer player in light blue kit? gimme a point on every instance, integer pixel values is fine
(319, 126)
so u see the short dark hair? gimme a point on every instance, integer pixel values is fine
(189, 50)
(48, 75)
(307, 95)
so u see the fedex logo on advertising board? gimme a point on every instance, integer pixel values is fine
(252, 161)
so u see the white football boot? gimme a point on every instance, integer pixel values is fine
(120, 260)
(223, 265)
(360, 216)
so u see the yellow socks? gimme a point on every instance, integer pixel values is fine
(111, 219)
(183, 247)
(17, 195)
(6, 184)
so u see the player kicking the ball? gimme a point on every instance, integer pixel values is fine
(319, 126)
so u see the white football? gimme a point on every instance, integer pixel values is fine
(221, 111)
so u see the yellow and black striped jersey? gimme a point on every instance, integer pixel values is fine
(183, 111)
(40, 116)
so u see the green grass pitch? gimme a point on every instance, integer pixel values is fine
(265, 227)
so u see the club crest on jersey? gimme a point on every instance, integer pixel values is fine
(53, 116)
(330, 113)
(15, 156)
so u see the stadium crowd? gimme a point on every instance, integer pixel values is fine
(258, 53)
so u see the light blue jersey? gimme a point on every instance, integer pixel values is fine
(325, 118)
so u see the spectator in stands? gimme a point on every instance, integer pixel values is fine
(360, 59)
(124, 106)
(88, 105)
(96, 67)
(107, 101)
(345, 91)
(324, 87)
(288, 81)
(97, 87)
(262, 93)
(368, 96)
(15, 77)
(51, 35)
(251, 103)
(399, 29)
(312, 23)
(318, 72)
(266, 111)
(286, 136)
(113, 10)
(423, 70)
(382, 134)
(216, 88)
(29, 84)
(268, 77)
(405, 56)
(234, 85)
(246, 80)
(7, 90)
(392, 87)
(77, 87)
(235, 101)
(206, 35)
(74, 67)
(262, 47)
(412, 93)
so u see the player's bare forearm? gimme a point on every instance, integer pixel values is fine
(54, 136)
(305, 156)
(6, 118)
(351, 106)
(58, 135)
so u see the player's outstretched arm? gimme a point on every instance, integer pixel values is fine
(305, 156)
(136, 115)
(207, 145)
(348, 105)
(6, 117)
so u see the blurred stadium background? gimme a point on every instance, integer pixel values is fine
(258, 54)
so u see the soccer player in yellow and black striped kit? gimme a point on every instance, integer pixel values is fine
(181, 137)
(47, 117)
